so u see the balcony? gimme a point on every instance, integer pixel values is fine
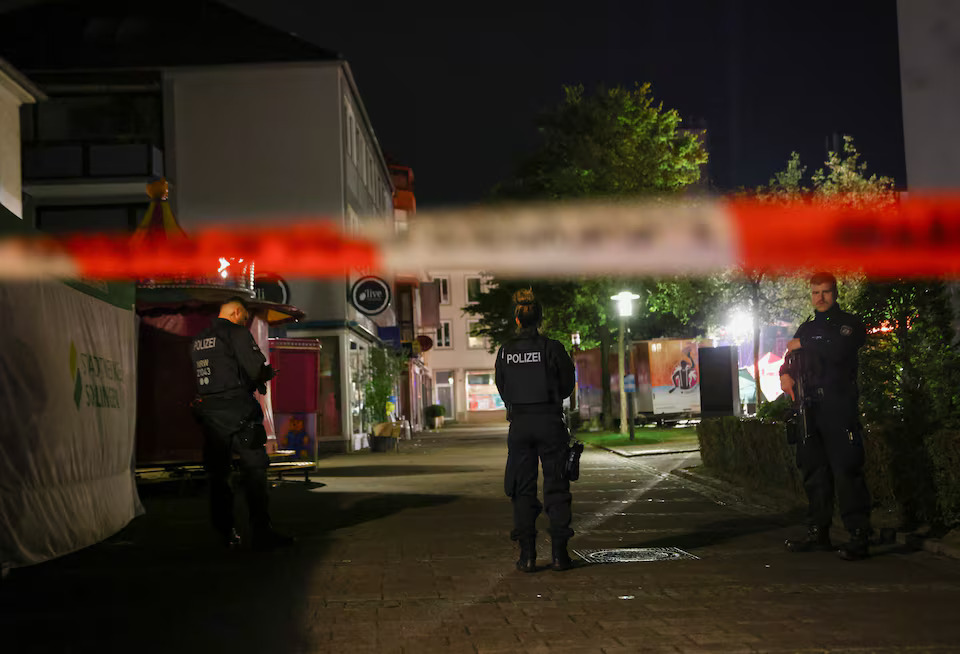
(89, 161)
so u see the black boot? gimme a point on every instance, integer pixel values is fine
(858, 548)
(561, 560)
(816, 540)
(528, 556)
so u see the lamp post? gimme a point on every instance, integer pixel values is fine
(575, 340)
(624, 309)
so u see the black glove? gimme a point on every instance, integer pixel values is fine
(267, 373)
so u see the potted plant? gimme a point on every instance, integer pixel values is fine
(380, 376)
(434, 414)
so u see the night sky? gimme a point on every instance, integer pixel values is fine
(453, 88)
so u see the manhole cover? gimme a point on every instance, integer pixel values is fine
(634, 555)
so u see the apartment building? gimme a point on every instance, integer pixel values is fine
(462, 364)
(249, 124)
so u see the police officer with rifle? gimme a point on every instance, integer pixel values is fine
(820, 375)
(229, 368)
(534, 374)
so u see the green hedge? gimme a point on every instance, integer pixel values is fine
(944, 449)
(909, 483)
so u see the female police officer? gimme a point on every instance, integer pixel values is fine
(534, 375)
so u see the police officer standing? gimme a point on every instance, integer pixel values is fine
(534, 374)
(229, 368)
(831, 453)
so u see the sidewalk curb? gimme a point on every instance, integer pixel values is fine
(931, 545)
(653, 453)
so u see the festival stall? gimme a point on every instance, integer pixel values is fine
(172, 312)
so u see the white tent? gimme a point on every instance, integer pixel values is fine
(67, 417)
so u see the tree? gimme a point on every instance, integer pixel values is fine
(769, 295)
(380, 378)
(615, 143)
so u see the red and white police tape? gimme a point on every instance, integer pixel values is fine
(917, 236)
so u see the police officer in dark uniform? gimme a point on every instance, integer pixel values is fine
(534, 375)
(229, 368)
(830, 455)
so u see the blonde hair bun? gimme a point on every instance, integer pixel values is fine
(524, 297)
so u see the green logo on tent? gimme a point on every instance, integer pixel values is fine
(97, 380)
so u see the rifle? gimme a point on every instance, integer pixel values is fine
(797, 422)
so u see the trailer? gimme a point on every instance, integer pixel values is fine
(667, 374)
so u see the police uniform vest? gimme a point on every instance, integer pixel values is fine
(525, 371)
(218, 370)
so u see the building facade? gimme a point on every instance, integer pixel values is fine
(462, 364)
(15, 91)
(249, 124)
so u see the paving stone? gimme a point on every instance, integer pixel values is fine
(371, 573)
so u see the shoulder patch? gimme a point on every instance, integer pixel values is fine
(846, 330)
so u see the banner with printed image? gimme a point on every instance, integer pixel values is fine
(675, 376)
(67, 418)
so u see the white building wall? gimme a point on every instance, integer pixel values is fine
(11, 97)
(459, 358)
(254, 144)
(268, 144)
(930, 86)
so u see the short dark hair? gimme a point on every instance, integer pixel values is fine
(236, 299)
(824, 278)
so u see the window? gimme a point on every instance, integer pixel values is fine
(133, 117)
(475, 342)
(351, 134)
(474, 288)
(353, 221)
(482, 394)
(357, 143)
(122, 217)
(444, 284)
(443, 335)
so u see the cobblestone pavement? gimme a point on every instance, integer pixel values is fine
(409, 552)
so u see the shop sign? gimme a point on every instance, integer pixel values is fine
(370, 295)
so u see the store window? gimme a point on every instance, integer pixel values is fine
(482, 394)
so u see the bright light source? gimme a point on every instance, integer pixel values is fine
(223, 274)
(625, 302)
(575, 338)
(740, 324)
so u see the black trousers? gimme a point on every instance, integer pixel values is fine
(831, 460)
(534, 438)
(226, 435)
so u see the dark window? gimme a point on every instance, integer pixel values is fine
(134, 117)
(111, 217)
(473, 289)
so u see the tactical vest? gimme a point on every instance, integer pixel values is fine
(216, 366)
(526, 378)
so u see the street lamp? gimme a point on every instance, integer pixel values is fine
(624, 309)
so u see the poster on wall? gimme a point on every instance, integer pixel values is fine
(68, 390)
(675, 376)
(297, 434)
